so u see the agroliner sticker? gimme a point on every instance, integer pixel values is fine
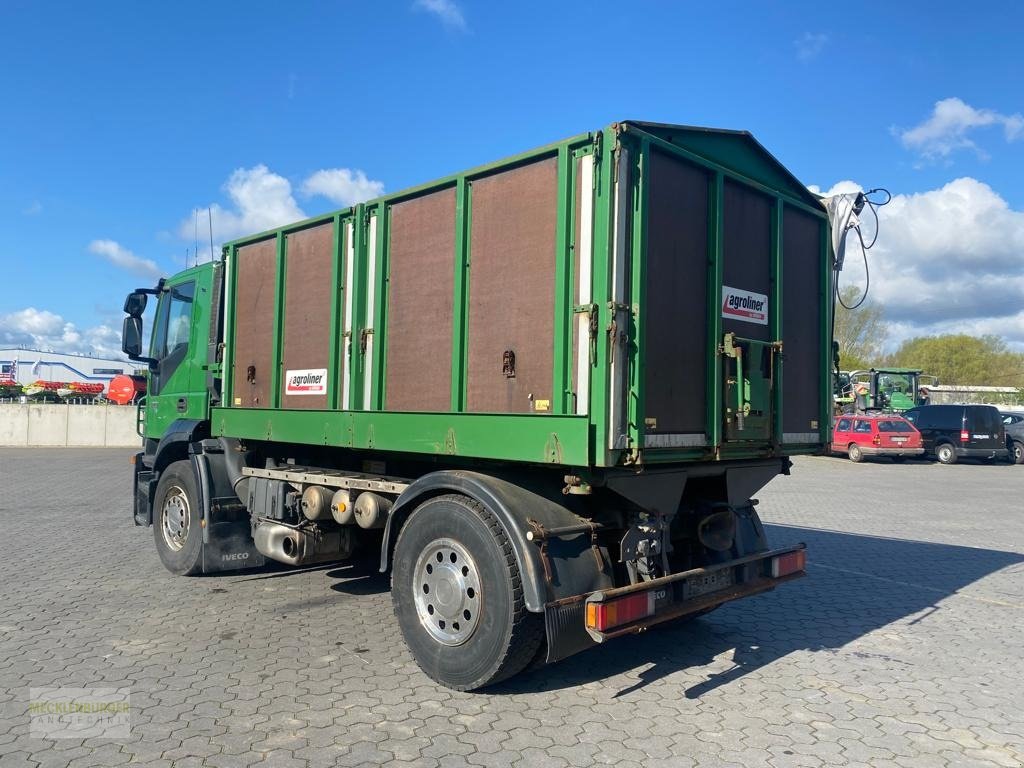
(744, 305)
(309, 381)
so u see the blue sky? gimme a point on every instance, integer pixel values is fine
(118, 119)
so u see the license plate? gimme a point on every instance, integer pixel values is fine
(899, 439)
(696, 586)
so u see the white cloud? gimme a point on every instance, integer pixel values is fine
(121, 257)
(446, 10)
(947, 260)
(342, 186)
(946, 129)
(41, 329)
(34, 209)
(809, 45)
(260, 200)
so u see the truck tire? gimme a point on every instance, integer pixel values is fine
(458, 595)
(176, 520)
(1017, 452)
(945, 454)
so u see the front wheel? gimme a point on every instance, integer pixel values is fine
(177, 528)
(458, 595)
(945, 454)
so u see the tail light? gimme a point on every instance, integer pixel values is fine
(964, 435)
(791, 562)
(876, 440)
(614, 613)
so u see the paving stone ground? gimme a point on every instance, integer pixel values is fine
(903, 647)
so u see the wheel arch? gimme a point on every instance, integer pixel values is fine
(513, 506)
(172, 447)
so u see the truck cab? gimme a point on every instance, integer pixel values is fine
(183, 378)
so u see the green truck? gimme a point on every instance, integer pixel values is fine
(543, 390)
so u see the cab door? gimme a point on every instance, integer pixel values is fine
(176, 387)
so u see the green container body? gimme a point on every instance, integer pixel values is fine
(646, 294)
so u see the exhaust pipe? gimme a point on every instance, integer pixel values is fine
(299, 546)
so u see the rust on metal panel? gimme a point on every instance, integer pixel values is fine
(801, 320)
(747, 252)
(512, 289)
(677, 265)
(307, 309)
(252, 357)
(420, 298)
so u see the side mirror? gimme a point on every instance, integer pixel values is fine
(135, 304)
(131, 339)
(131, 333)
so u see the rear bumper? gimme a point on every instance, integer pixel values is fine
(566, 620)
(871, 450)
(980, 453)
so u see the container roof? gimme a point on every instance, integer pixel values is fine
(737, 151)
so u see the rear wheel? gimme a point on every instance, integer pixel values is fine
(176, 520)
(945, 454)
(855, 453)
(1017, 452)
(458, 595)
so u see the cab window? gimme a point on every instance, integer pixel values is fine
(843, 425)
(174, 320)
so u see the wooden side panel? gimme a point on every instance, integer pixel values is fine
(512, 289)
(308, 286)
(421, 268)
(801, 321)
(675, 314)
(252, 361)
(747, 253)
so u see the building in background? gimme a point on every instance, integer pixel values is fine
(25, 366)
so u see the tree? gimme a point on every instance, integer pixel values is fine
(860, 332)
(962, 359)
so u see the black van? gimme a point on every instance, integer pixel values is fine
(952, 432)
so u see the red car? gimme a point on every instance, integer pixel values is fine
(876, 435)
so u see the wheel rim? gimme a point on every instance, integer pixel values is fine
(1018, 450)
(174, 518)
(944, 453)
(448, 595)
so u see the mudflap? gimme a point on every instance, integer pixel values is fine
(227, 535)
(565, 624)
(142, 492)
(228, 546)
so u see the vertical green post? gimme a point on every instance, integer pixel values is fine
(601, 293)
(228, 288)
(460, 294)
(777, 330)
(337, 310)
(638, 300)
(277, 371)
(714, 373)
(360, 226)
(379, 319)
(562, 380)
